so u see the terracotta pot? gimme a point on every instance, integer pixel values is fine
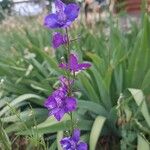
(133, 5)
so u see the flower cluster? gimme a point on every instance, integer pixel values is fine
(62, 101)
(73, 142)
(59, 103)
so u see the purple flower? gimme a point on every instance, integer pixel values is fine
(59, 106)
(73, 64)
(58, 40)
(74, 142)
(63, 17)
(58, 103)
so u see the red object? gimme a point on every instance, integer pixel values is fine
(134, 5)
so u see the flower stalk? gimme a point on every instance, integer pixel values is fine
(61, 101)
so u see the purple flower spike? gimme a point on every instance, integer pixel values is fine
(58, 40)
(63, 17)
(74, 142)
(73, 64)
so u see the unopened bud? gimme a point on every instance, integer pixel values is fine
(62, 59)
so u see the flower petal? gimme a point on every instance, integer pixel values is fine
(65, 143)
(73, 62)
(60, 94)
(59, 5)
(72, 11)
(58, 39)
(50, 21)
(59, 114)
(82, 146)
(54, 111)
(76, 135)
(63, 66)
(50, 103)
(84, 66)
(71, 104)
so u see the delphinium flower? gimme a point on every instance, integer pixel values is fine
(63, 17)
(73, 142)
(62, 100)
(73, 64)
(59, 103)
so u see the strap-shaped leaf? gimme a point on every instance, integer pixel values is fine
(4, 140)
(53, 146)
(51, 125)
(140, 100)
(93, 107)
(142, 144)
(96, 130)
(19, 100)
(59, 137)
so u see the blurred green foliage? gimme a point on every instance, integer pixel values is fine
(4, 5)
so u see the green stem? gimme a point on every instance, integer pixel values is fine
(68, 44)
(69, 75)
(68, 54)
(72, 123)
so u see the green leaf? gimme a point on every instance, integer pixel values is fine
(51, 125)
(146, 83)
(140, 56)
(59, 137)
(93, 107)
(92, 95)
(4, 140)
(103, 88)
(53, 146)
(140, 101)
(39, 67)
(19, 100)
(142, 144)
(95, 131)
(26, 115)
